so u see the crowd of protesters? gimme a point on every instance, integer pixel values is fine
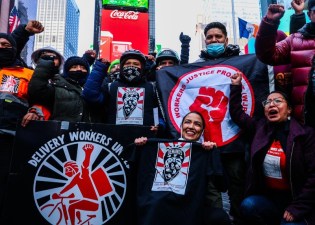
(66, 90)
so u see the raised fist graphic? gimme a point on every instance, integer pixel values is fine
(212, 104)
(88, 148)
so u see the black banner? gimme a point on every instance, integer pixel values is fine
(172, 179)
(205, 87)
(71, 173)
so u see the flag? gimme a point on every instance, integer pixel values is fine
(247, 29)
(205, 87)
(14, 19)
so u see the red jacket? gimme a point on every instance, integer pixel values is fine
(297, 49)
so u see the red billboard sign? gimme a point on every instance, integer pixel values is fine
(129, 28)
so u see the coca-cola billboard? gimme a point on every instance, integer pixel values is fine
(127, 26)
(126, 15)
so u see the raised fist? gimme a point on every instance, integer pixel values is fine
(91, 52)
(298, 6)
(184, 39)
(34, 26)
(88, 147)
(212, 104)
(275, 12)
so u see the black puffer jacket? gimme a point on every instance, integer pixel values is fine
(62, 97)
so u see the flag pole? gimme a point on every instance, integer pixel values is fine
(233, 22)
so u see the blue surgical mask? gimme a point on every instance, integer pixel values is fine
(215, 49)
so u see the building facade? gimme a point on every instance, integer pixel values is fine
(61, 21)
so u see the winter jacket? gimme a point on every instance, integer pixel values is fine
(97, 91)
(298, 49)
(300, 157)
(13, 96)
(62, 97)
(297, 21)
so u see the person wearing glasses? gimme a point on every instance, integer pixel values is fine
(298, 50)
(281, 175)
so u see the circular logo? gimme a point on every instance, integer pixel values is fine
(80, 183)
(207, 91)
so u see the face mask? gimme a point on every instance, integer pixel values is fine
(131, 74)
(113, 76)
(7, 56)
(77, 76)
(215, 49)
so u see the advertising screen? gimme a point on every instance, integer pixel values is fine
(140, 5)
(127, 29)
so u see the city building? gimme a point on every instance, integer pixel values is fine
(228, 12)
(151, 25)
(61, 21)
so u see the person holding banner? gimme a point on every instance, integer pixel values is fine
(128, 100)
(233, 155)
(298, 49)
(151, 203)
(281, 176)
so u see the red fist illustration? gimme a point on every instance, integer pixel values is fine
(88, 148)
(212, 104)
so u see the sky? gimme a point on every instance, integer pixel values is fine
(170, 24)
(176, 16)
(172, 18)
(86, 24)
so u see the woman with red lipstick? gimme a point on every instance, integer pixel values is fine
(192, 128)
(281, 177)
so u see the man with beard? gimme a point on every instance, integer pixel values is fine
(131, 80)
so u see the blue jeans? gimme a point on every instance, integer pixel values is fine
(260, 210)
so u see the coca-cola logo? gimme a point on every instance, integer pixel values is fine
(127, 15)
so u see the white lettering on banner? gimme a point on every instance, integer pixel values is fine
(59, 141)
(45, 149)
(129, 15)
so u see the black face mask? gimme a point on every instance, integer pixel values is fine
(7, 56)
(113, 76)
(77, 76)
(131, 74)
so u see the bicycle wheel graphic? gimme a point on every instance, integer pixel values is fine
(55, 213)
(51, 178)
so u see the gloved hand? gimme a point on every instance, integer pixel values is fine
(184, 39)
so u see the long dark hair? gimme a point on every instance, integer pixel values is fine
(198, 113)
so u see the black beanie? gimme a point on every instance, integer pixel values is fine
(9, 38)
(75, 60)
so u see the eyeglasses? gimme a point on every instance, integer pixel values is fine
(276, 101)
